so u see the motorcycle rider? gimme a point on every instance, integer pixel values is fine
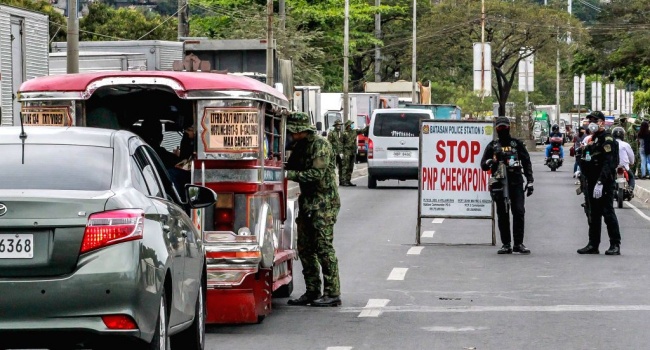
(513, 152)
(555, 132)
(625, 154)
(598, 166)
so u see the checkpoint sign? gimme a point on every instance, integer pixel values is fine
(451, 182)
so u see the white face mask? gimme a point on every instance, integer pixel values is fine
(593, 127)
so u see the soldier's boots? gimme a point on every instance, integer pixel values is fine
(304, 299)
(520, 248)
(589, 249)
(614, 249)
(505, 249)
(327, 301)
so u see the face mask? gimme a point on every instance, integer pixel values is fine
(503, 133)
(290, 141)
(593, 127)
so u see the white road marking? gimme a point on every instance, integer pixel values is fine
(505, 308)
(427, 234)
(453, 329)
(638, 211)
(397, 274)
(339, 348)
(437, 221)
(414, 251)
(374, 308)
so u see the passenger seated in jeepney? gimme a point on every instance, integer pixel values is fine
(151, 133)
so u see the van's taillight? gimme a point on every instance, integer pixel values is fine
(370, 148)
(110, 227)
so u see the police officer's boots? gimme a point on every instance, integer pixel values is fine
(614, 249)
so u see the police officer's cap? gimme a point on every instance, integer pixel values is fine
(596, 115)
(502, 121)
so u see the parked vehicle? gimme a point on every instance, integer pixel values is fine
(623, 190)
(238, 152)
(440, 111)
(393, 144)
(96, 247)
(362, 150)
(24, 38)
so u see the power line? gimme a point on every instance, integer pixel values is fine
(163, 22)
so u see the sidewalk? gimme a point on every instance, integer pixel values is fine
(642, 190)
(360, 169)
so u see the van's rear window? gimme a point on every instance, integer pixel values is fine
(398, 124)
(56, 167)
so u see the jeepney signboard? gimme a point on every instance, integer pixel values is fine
(230, 129)
(46, 116)
(451, 181)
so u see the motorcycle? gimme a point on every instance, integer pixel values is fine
(623, 190)
(555, 161)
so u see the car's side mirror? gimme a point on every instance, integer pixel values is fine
(199, 196)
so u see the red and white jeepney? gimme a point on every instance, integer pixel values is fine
(249, 233)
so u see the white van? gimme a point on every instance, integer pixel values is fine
(393, 144)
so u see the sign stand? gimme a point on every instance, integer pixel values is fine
(451, 183)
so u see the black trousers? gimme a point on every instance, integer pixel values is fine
(517, 201)
(600, 208)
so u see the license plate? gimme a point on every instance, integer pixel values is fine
(402, 154)
(555, 156)
(16, 246)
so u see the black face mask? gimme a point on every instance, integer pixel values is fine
(503, 133)
(289, 142)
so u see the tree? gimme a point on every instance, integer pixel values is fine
(510, 26)
(104, 22)
(57, 21)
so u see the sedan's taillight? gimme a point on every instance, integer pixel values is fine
(119, 322)
(371, 148)
(110, 227)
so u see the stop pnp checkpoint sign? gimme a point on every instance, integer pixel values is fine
(451, 182)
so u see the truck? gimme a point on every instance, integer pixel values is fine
(541, 127)
(91, 61)
(402, 89)
(160, 54)
(440, 111)
(307, 99)
(24, 39)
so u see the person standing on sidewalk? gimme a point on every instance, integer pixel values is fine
(513, 153)
(311, 165)
(335, 137)
(349, 145)
(599, 168)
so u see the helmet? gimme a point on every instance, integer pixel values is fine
(618, 133)
(555, 128)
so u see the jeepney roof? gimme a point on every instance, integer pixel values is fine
(189, 81)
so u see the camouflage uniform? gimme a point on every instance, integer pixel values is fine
(311, 164)
(334, 137)
(349, 145)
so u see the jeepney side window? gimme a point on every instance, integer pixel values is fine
(272, 135)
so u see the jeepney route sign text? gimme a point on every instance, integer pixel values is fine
(231, 129)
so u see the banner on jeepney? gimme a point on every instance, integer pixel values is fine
(230, 129)
(451, 181)
(46, 116)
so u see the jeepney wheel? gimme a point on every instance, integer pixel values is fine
(265, 238)
(284, 291)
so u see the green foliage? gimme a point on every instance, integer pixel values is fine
(105, 23)
(57, 21)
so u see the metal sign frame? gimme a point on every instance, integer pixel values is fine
(420, 179)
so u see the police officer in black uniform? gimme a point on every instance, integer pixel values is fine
(513, 153)
(598, 164)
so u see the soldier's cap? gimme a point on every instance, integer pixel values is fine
(596, 115)
(299, 122)
(337, 122)
(502, 121)
(348, 122)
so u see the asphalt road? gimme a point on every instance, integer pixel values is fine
(455, 292)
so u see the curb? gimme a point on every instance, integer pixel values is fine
(641, 193)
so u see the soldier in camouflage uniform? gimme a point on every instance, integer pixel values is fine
(349, 143)
(335, 137)
(311, 165)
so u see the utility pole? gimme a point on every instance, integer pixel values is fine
(73, 37)
(269, 42)
(377, 49)
(283, 17)
(414, 96)
(346, 52)
(557, 86)
(482, 50)
(183, 22)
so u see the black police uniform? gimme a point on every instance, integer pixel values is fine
(601, 167)
(505, 149)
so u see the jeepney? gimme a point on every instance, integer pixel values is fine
(239, 152)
